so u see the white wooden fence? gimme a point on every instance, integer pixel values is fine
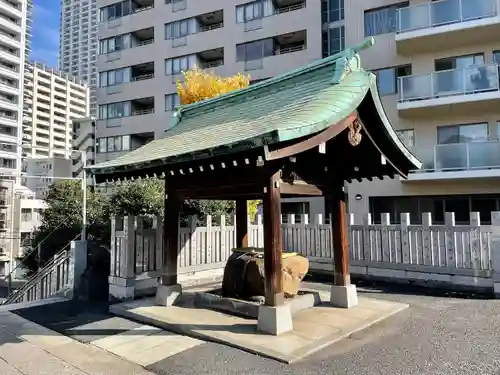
(458, 255)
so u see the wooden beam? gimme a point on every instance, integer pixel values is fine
(241, 223)
(273, 246)
(340, 236)
(300, 189)
(173, 204)
(204, 192)
(313, 141)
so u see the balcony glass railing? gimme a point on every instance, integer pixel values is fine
(473, 79)
(444, 12)
(459, 156)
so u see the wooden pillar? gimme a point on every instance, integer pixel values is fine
(273, 246)
(241, 223)
(340, 236)
(173, 204)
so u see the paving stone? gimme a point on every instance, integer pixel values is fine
(6, 369)
(95, 361)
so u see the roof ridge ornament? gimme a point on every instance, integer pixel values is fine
(351, 61)
(176, 118)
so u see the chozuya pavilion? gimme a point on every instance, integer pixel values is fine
(302, 133)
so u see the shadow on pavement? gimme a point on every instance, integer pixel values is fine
(402, 289)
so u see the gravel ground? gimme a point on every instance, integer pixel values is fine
(439, 334)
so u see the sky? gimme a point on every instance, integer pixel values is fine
(45, 38)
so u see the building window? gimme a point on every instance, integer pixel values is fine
(452, 134)
(407, 136)
(26, 214)
(382, 20)
(388, 79)
(179, 64)
(294, 208)
(114, 110)
(459, 62)
(332, 10)
(172, 101)
(252, 11)
(114, 44)
(113, 11)
(255, 50)
(114, 77)
(113, 144)
(461, 205)
(496, 57)
(333, 41)
(179, 29)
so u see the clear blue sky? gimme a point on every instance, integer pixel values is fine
(45, 38)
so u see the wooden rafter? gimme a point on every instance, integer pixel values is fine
(313, 141)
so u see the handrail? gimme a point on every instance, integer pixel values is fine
(213, 26)
(286, 50)
(62, 255)
(142, 112)
(290, 8)
(9, 276)
(143, 77)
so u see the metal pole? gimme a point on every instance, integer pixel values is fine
(39, 250)
(84, 196)
(11, 218)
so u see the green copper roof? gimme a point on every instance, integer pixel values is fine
(292, 105)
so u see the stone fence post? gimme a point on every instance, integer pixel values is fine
(78, 264)
(495, 252)
(122, 272)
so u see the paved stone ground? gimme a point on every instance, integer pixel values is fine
(442, 333)
(439, 334)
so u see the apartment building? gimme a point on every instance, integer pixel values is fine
(436, 63)
(52, 99)
(141, 56)
(145, 45)
(20, 214)
(438, 76)
(41, 173)
(78, 43)
(15, 21)
(84, 141)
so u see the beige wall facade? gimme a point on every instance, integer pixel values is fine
(392, 50)
(425, 32)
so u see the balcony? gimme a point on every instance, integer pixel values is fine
(458, 161)
(140, 14)
(210, 21)
(280, 7)
(188, 34)
(11, 8)
(473, 89)
(262, 55)
(127, 51)
(432, 26)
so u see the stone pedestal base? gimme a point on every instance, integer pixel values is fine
(167, 295)
(343, 296)
(275, 320)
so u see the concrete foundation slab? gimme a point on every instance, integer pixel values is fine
(167, 295)
(275, 320)
(313, 329)
(343, 296)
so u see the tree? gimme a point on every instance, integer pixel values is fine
(201, 85)
(138, 198)
(62, 222)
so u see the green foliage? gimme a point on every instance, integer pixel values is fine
(203, 208)
(62, 220)
(138, 198)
